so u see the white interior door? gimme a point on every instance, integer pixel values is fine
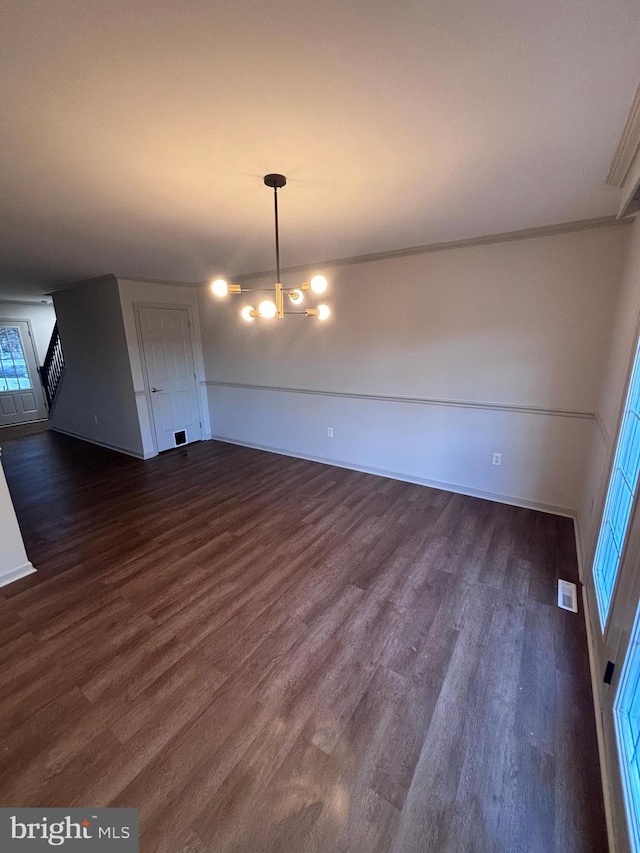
(169, 362)
(21, 395)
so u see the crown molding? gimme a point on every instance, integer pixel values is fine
(485, 240)
(505, 237)
(115, 277)
(35, 301)
(71, 285)
(164, 281)
(627, 147)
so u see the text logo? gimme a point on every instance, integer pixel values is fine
(86, 830)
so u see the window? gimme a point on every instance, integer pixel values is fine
(620, 495)
(14, 375)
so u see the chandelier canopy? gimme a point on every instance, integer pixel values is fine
(268, 309)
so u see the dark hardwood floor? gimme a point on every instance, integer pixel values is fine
(268, 654)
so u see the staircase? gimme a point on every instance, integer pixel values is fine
(51, 370)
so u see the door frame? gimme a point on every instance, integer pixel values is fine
(611, 641)
(630, 584)
(143, 360)
(37, 387)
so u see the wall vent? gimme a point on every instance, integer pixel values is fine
(567, 596)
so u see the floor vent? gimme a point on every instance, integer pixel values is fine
(567, 596)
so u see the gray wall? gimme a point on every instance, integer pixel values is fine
(96, 399)
(430, 363)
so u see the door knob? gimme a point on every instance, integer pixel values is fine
(155, 390)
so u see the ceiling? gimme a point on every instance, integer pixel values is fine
(136, 134)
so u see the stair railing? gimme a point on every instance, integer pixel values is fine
(51, 370)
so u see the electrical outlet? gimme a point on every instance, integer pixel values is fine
(497, 459)
(329, 432)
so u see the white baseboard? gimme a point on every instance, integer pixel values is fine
(15, 574)
(595, 692)
(136, 454)
(420, 481)
(24, 423)
(597, 704)
(579, 552)
(514, 501)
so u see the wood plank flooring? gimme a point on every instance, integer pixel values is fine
(267, 654)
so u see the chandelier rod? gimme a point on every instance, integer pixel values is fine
(275, 205)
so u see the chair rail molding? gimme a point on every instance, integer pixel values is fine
(423, 401)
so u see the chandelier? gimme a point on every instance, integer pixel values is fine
(268, 309)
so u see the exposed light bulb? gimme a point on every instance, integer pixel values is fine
(318, 284)
(219, 287)
(324, 312)
(267, 309)
(248, 314)
(296, 296)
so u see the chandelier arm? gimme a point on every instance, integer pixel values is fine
(270, 309)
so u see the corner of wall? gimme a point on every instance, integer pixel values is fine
(95, 400)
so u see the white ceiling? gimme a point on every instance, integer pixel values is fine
(135, 134)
